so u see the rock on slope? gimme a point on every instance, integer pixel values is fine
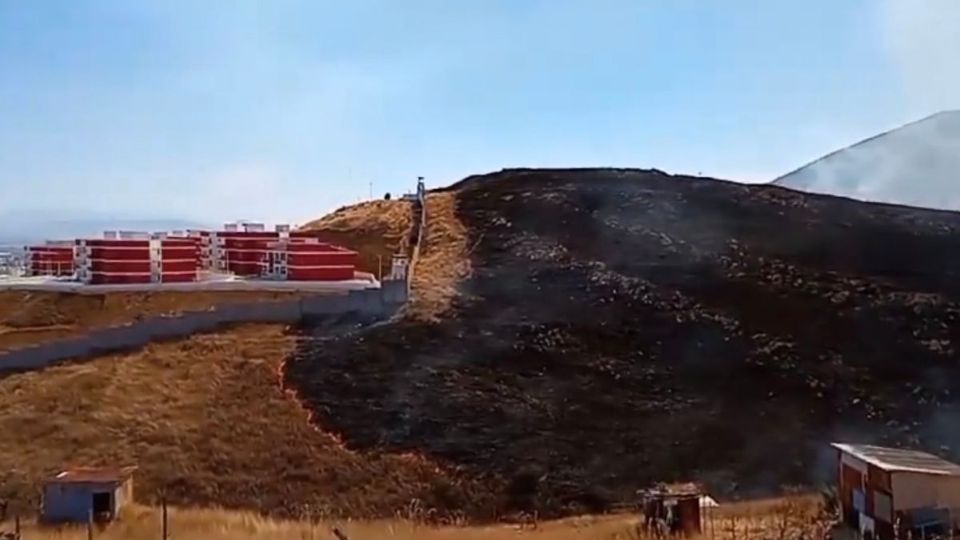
(624, 326)
(917, 164)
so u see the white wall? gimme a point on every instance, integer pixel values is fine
(917, 490)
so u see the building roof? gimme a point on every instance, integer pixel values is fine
(93, 475)
(675, 490)
(897, 459)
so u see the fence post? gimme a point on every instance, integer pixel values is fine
(90, 523)
(163, 517)
(16, 527)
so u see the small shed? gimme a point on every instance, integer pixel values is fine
(79, 494)
(675, 507)
(882, 490)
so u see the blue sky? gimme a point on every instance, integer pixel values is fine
(282, 110)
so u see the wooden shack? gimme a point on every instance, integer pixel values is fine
(673, 508)
(884, 491)
(81, 494)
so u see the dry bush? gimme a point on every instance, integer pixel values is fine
(444, 259)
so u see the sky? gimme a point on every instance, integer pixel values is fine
(283, 110)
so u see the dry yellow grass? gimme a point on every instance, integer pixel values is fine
(35, 317)
(207, 421)
(375, 229)
(786, 518)
(444, 259)
(776, 519)
(188, 524)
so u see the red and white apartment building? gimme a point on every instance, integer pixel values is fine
(244, 250)
(50, 259)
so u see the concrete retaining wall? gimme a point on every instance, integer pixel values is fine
(166, 327)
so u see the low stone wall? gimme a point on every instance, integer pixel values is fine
(384, 302)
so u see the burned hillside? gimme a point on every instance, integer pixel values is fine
(622, 326)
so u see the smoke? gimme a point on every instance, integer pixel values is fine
(923, 40)
(916, 165)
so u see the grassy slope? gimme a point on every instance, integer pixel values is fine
(376, 229)
(444, 259)
(206, 420)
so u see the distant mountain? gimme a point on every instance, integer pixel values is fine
(917, 164)
(23, 227)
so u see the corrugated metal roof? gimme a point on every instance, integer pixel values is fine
(898, 459)
(94, 474)
(680, 489)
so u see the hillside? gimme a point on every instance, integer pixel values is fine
(573, 335)
(917, 164)
(376, 229)
(618, 327)
(208, 423)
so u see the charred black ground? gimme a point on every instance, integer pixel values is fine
(626, 326)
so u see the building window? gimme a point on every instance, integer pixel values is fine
(882, 507)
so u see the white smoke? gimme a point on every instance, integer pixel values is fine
(918, 164)
(923, 39)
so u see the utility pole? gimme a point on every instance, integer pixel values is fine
(163, 511)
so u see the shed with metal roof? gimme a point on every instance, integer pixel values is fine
(885, 489)
(81, 494)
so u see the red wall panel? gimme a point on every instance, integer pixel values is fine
(178, 265)
(245, 268)
(50, 258)
(117, 243)
(51, 268)
(178, 277)
(246, 256)
(124, 254)
(294, 245)
(98, 265)
(320, 273)
(322, 259)
(51, 264)
(187, 252)
(248, 235)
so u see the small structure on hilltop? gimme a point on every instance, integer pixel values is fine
(420, 194)
(891, 493)
(672, 509)
(81, 494)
